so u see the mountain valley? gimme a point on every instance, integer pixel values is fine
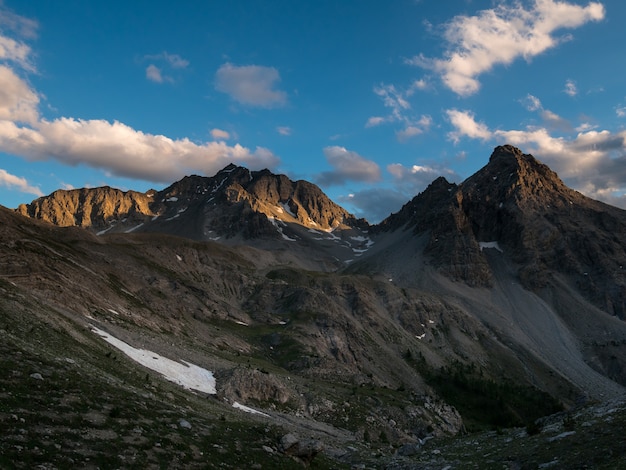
(478, 307)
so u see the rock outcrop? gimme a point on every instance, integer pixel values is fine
(89, 208)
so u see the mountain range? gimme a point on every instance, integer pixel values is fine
(488, 303)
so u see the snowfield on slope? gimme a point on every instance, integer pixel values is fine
(189, 376)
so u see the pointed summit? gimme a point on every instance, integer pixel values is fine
(519, 205)
(513, 178)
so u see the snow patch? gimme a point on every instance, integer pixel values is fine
(489, 245)
(102, 232)
(287, 209)
(187, 375)
(247, 409)
(172, 199)
(275, 223)
(132, 229)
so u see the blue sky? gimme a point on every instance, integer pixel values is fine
(371, 100)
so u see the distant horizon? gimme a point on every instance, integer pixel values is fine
(370, 100)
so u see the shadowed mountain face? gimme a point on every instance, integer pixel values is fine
(521, 206)
(482, 303)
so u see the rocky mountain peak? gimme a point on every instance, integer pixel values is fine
(89, 207)
(234, 205)
(517, 206)
(514, 179)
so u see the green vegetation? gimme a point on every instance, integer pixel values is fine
(483, 402)
(67, 404)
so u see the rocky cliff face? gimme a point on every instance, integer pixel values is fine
(518, 205)
(89, 208)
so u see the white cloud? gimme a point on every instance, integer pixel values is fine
(18, 102)
(554, 121)
(252, 85)
(394, 99)
(374, 121)
(154, 74)
(167, 62)
(348, 165)
(417, 128)
(550, 118)
(475, 44)
(400, 108)
(124, 151)
(23, 27)
(283, 130)
(15, 50)
(11, 181)
(466, 126)
(219, 134)
(621, 111)
(531, 103)
(408, 132)
(570, 88)
(585, 126)
(420, 84)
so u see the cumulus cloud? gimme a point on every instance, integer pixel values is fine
(347, 165)
(124, 151)
(252, 85)
(219, 134)
(465, 125)
(593, 162)
(475, 44)
(21, 184)
(283, 130)
(18, 102)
